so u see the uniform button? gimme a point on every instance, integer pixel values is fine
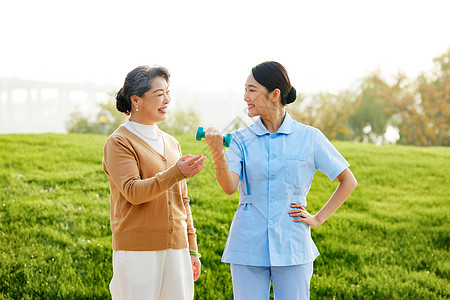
(270, 222)
(170, 231)
(163, 159)
(272, 156)
(270, 199)
(170, 218)
(272, 177)
(272, 136)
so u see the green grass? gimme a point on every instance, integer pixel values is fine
(389, 240)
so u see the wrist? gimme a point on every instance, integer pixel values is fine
(318, 220)
(195, 254)
(179, 170)
(218, 153)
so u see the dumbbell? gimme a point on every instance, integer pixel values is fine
(201, 134)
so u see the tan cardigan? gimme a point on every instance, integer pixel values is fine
(149, 203)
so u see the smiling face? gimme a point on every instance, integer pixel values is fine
(257, 98)
(152, 106)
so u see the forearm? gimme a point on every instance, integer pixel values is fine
(138, 191)
(192, 237)
(346, 186)
(120, 164)
(224, 176)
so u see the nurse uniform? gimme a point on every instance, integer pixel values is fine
(276, 171)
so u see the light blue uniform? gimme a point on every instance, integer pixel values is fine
(276, 170)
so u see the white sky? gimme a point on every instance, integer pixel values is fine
(212, 45)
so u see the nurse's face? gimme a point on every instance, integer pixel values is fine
(257, 98)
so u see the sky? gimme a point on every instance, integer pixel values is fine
(210, 45)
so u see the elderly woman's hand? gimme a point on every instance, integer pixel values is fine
(196, 266)
(190, 165)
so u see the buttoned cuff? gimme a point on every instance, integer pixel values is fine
(174, 172)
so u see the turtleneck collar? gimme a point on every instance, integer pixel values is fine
(147, 130)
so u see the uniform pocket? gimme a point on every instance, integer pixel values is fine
(300, 236)
(295, 170)
(240, 230)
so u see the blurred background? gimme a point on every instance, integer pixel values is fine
(370, 71)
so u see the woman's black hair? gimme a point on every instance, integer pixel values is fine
(273, 75)
(138, 82)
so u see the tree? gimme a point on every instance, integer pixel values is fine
(371, 113)
(115, 118)
(79, 123)
(422, 108)
(182, 121)
(435, 100)
(325, 111)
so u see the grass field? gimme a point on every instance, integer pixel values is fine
(389, 240)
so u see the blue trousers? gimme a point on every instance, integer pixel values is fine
(291, 282)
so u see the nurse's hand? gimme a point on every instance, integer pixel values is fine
(300, 211)
(214, 139)
(196, 266)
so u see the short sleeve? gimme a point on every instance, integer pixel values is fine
(326, 158)
(234, 157)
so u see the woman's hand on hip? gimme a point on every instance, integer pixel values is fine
(190, 165)
(300, 211)
(214, 139)
(196, 266)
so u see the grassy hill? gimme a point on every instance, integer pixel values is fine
(389, 240)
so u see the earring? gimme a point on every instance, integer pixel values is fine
(137, 108)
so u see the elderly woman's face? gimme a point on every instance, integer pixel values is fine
(153, 104)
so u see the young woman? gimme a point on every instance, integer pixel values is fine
(273, 161)
(153, 238)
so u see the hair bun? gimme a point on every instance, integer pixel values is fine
(122, 104)
(291, 96)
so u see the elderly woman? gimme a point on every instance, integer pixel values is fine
(154, 243)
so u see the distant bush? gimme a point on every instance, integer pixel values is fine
(179, 122)
(80, 123)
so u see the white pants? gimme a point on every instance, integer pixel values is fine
(152, 275)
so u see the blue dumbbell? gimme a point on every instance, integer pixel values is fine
(201, 134)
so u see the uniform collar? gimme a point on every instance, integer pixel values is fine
(286, 128)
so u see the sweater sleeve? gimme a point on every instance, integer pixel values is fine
(192, 237)
(120, 163)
